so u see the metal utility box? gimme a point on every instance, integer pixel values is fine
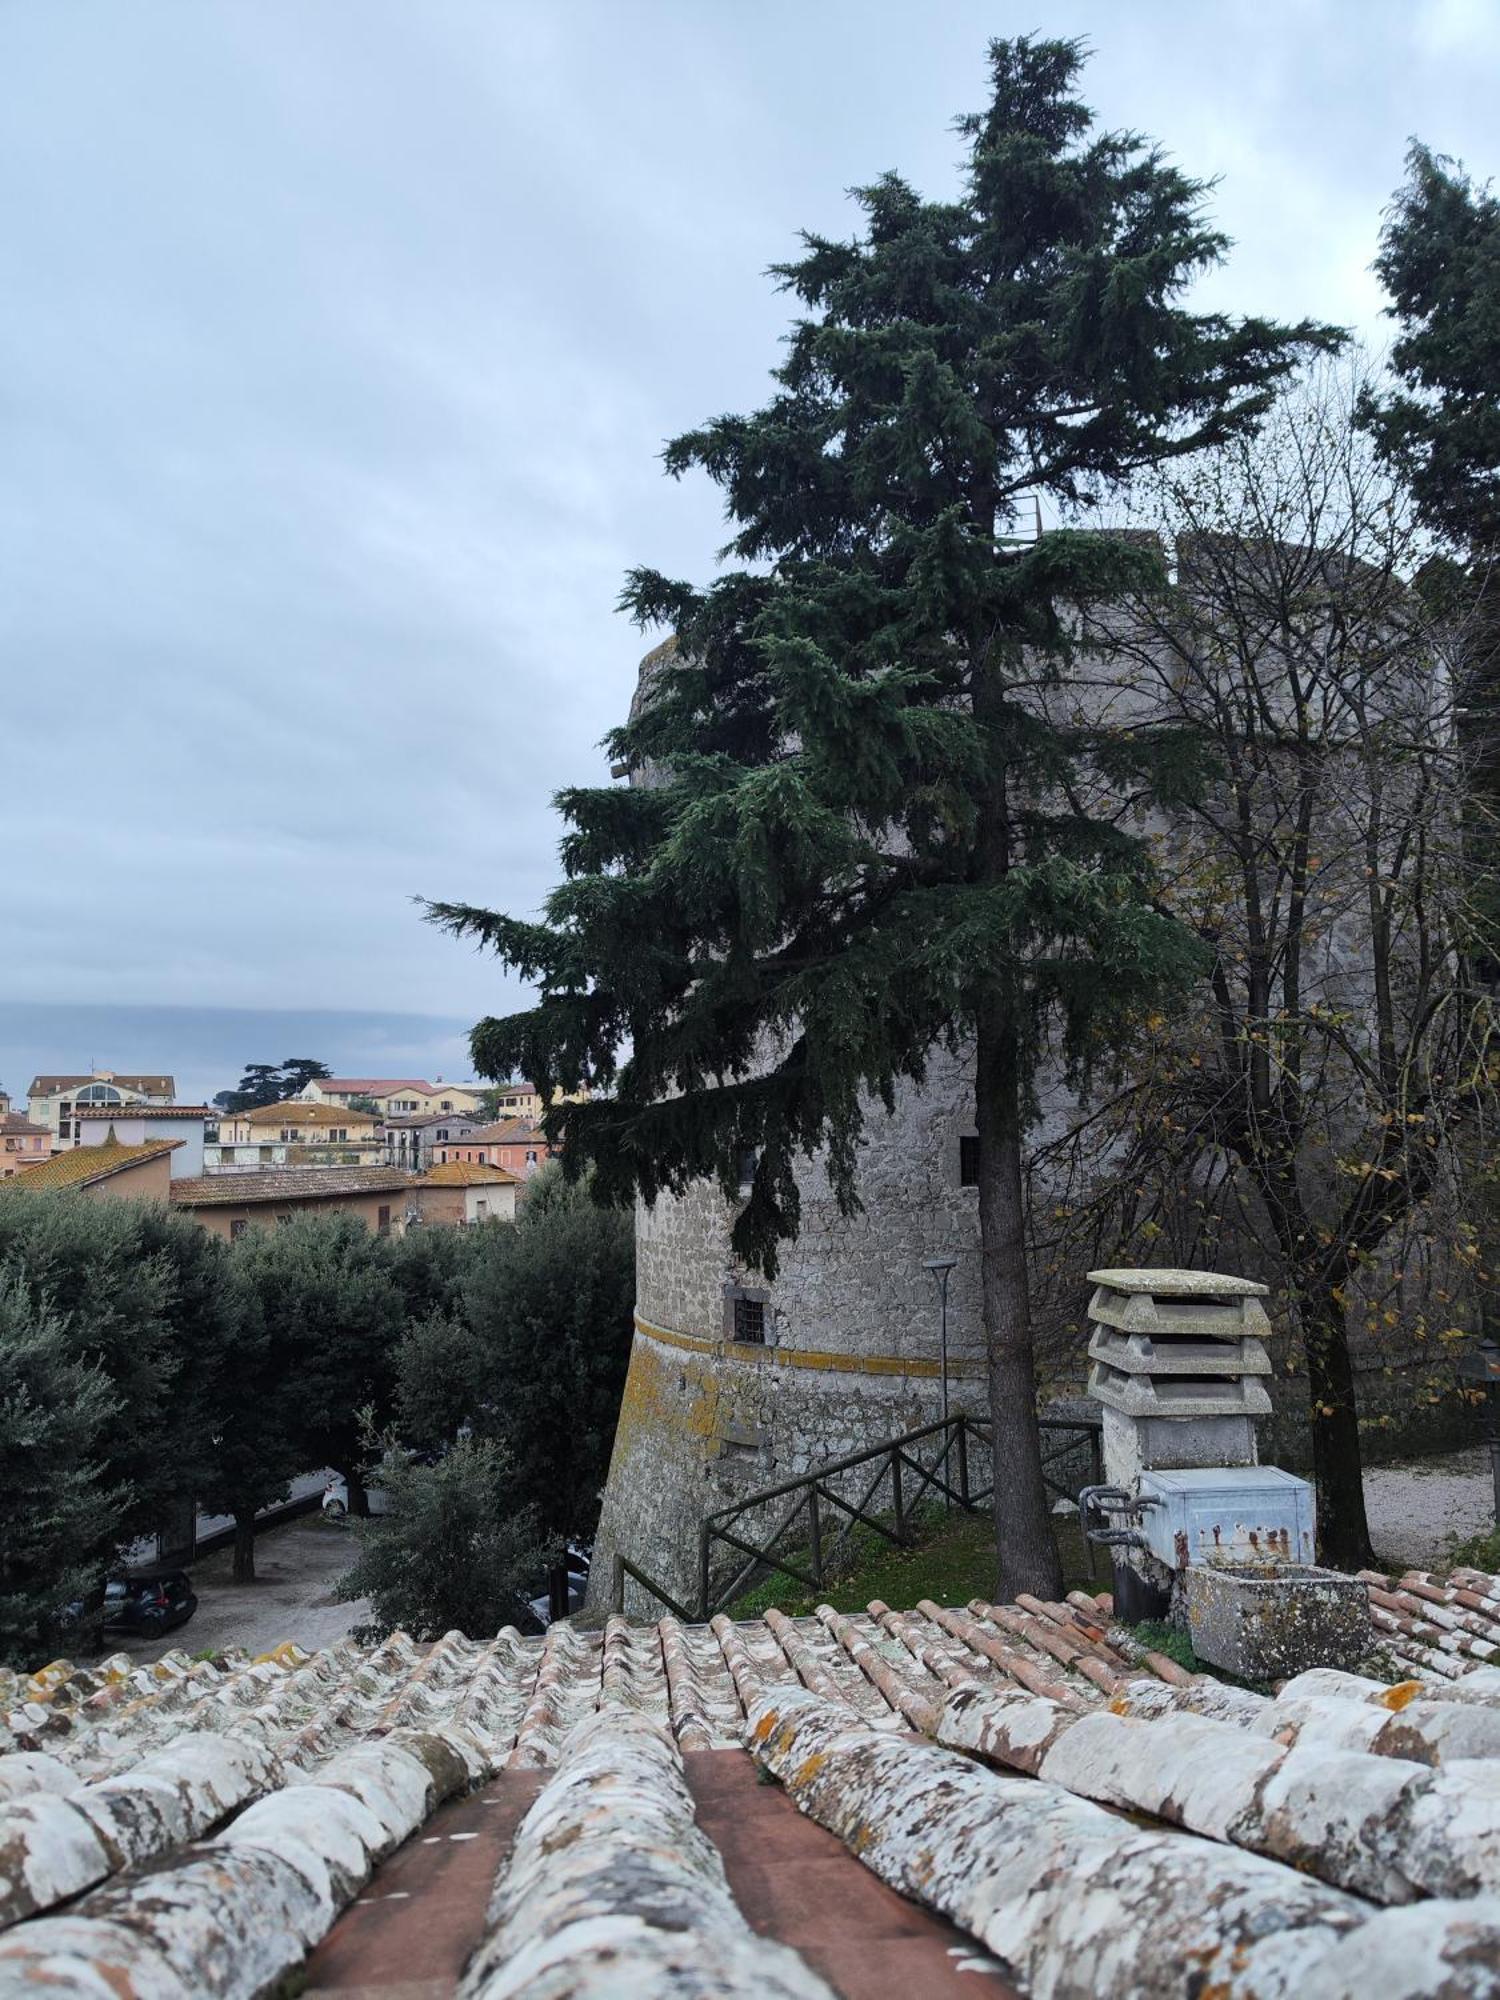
(1228, 1514)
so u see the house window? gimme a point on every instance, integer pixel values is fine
(383, 1219)
(237, 1228)
(748, 1158)
(745, 1316)
(968, 1159)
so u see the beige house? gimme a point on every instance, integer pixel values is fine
(229, 1204)
(395, 1096)
(102, 1173)
(462, 1193)
(297, 1133)
(56, 1101)
(525, 1102)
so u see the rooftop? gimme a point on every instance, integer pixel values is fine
(97, 1114)
(302, 1112)
(383, 1086)
(883, 1804)
(149, 1086)
(468, 1173)
(14, 1126)
(511, 1131)
(82, 1166)
(286, 1184)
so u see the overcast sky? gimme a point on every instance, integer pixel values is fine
(338, 340)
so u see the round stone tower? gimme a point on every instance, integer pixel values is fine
(737, 1382)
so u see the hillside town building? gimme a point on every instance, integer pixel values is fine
(412, 1141)
(396, 1097)
(109, 1172)
(512, 1144)
(56, 1101)
(230, 1203)
(134, 1124)
(294, 1134)
(462, 1194)
(22, 1144)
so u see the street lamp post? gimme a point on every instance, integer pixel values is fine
(940, 1268)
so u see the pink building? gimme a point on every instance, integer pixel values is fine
(22, 1144)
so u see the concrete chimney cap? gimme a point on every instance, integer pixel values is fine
(1180, 1284)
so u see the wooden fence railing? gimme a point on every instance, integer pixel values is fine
(878, 1488)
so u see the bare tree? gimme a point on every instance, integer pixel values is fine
(1328, 1090)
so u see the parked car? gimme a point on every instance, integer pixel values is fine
(540, 1606)
(144, 1606)
(336, 1499)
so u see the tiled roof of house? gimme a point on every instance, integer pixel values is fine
(286, 1184)
(302, 1113)
(468, 1173)
(411, 1121)
(509, 1131)
(157, 1085)
(99, 1114)
(14, 1126)
(1092, 1819)
(367, 1086)
(82, 1166)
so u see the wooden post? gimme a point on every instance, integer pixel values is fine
(896, 1508)
(703, 1603)
(963, 1460)
(617, 1583)
(814, 1533)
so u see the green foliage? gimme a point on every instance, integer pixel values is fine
(535, 1353)
(454, 1550)
(138, 1294)
(863, 838)
(1440, 264)
(60, 1515)
(550, 1309)
(271, 1083)
(321, 1293)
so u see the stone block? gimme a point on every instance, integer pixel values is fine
(1182, 1397)
(1136, 1445)
(1266, 1622)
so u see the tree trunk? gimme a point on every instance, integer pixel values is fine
(359, 1499)
(244, 1547)
(1027, 1554)
(1343, 1532)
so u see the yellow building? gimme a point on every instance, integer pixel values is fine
(294, 1134)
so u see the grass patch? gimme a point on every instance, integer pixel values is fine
(950, 1559)
(1478, 1552)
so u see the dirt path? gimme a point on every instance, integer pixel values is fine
(297, 1567)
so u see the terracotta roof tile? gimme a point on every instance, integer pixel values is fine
(468, 1173)
(82, 1166)
(286, 1183)
(198, 1827)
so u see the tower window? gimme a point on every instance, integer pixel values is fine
(750, 1320)
(968, 1159)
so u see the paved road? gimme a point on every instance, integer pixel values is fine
(296, 1568)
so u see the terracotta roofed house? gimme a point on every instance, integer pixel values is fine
(296, 1133)
(22, 1144)
(110, 1172)
(464, 1192)
(1006, 1799)
(231, 1203)
(395, 1096)
(54, 1100)
(513, 1144)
